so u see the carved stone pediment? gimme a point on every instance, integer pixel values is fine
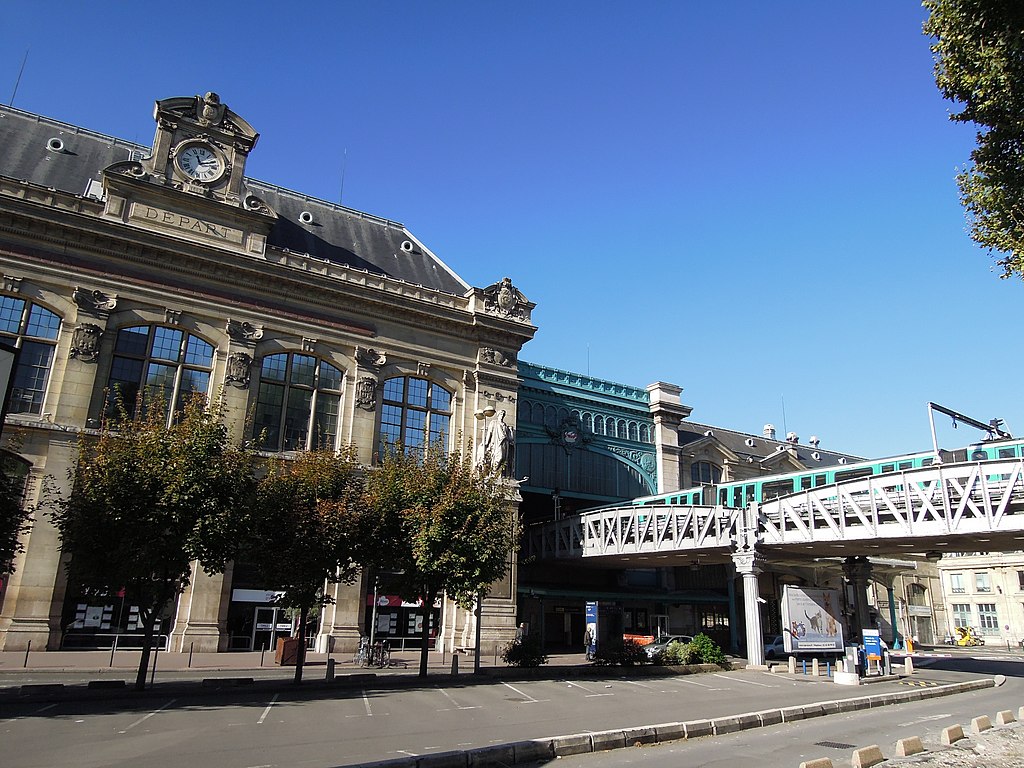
(503, 298)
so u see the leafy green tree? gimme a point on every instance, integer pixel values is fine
(444, 527)
(979, 63)
(14, 516)
(146, 500)
(306, 531)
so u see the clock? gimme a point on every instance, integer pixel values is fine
(199, 162)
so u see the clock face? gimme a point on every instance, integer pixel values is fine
(199, 162)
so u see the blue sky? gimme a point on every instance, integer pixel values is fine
(754, 201)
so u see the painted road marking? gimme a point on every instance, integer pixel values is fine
(694, 682)
(267, 710)
(748, 682)
(146, 717)
(925, 719)
(453, 701)
(30, 714)
(528, 697)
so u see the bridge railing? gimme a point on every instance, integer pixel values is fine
(635, 529)
(941, 500)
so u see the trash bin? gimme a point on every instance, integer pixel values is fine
(287, 651)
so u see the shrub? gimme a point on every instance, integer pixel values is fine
(706, 651)
(677, 654)
(629, 653)
(525, 653)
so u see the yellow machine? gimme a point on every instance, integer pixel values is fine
(966, 637)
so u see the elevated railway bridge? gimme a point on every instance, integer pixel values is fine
(926, 511)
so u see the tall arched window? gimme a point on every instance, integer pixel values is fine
(705, 473)
(644, 434)
(599, 425)
(415, 412)
(633, 431)
(298, 403)
(588, 422)
(162, 363)
(33, 329)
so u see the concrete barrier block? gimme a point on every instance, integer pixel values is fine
(636, 736)
(670, 732)
(494, 756)
(908, 666)
(791, 665)
(789, 714)
(813, 710)
(1020, 713)
(852, 705)
(770, 717)
(845, 678)
(1005, 717)
(696, 728)
(453, 759)
(106, 684)
(534, 750)
(608, 740)
(575, 744)
(32, 690)
(830, 707)
(907, 747)
(735, 723)
(818, 762)
(982, 723)
(951, 735)
(867, 756)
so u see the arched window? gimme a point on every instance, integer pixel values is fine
(550, 416)
(599, 425)
(33, 329)
(537, 414)
(298, 403)
(645, 436)
(705, 473)
(415, 412)
(622, 429)
(917, 595)
(633, 431)
(588, 422)
(165, 364)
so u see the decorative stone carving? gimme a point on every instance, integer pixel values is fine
(308, 345)
(495, 357)
(94, 301)
(244, 331)
(366, 393)
(503, 298)
(172, 316)
(85, 342)
(12, 284)
(423, 369)
(238, 367)
(497, 451)
(569, 434)
(370, 358)
(209, 109)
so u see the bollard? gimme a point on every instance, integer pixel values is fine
(804, 663)
(455, 663)
(908, 666)
(828, 668)
(330, 670)
(792, 665)
(815, 668)
(262, 654)
(113, 648)
(29, 648)
(190, 645)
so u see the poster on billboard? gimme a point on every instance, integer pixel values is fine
(590, 635)
(811, 619)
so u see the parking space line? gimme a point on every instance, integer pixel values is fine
(452, 700)
(30, 714)
(528, 697)
(694, 682)
(366, 703)
(267, 710)
(638, 685)
(748, 682)
(590, 694)
(144, 718)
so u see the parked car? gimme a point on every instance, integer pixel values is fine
(663, 642)
(774, 647)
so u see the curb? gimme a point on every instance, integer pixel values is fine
(521, 752)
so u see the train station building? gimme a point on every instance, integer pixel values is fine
(133, 266)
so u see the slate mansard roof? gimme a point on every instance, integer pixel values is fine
(759, 447)
(57, 155)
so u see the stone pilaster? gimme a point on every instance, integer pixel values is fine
(668, 412)
(201, 618)
(749, 565)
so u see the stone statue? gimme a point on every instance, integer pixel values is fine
(498, 446)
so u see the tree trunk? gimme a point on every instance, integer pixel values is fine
(300, 652)
(428, 608)
(147, 649)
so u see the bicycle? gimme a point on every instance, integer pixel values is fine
(380, 655)
(363, 653)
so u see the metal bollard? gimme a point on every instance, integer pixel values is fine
(455, 663)
(330, 670)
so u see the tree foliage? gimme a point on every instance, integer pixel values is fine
(146, 500)
(14, 516)
(306, 530)
(446, 527)
(979, 63)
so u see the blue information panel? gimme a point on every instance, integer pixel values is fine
(872, 644)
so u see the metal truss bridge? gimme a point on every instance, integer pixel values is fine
(973, 506)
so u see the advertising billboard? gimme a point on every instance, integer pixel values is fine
(811, 619)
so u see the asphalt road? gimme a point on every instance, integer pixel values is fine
(245, 728)
(834, 737)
